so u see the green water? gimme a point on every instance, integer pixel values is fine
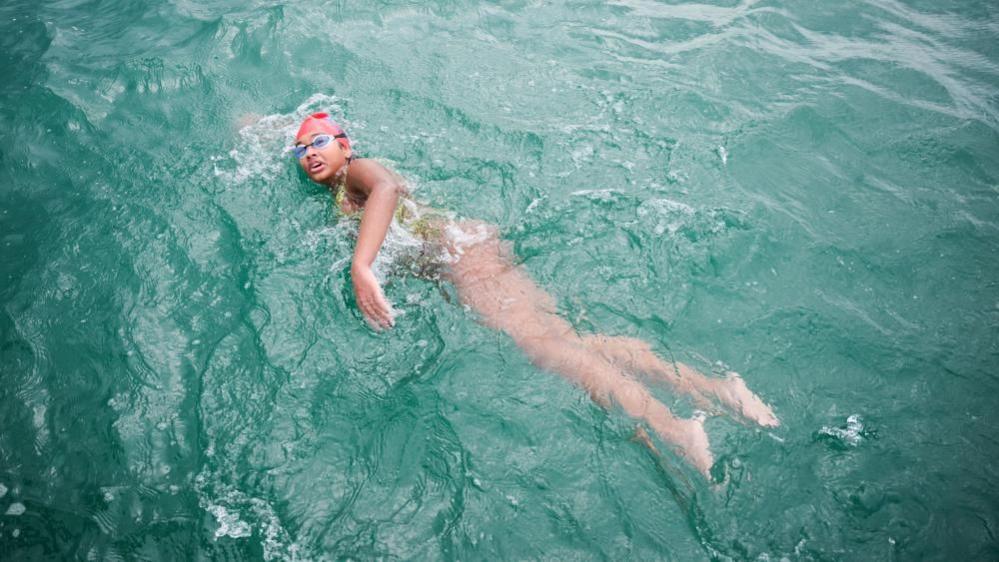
(805, 192)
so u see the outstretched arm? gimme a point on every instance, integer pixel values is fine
(381, 190)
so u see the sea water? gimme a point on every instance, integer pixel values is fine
(803, 192)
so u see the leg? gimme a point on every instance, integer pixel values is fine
(687, 435)
(606, 383)
(636, 355)
(508, 300)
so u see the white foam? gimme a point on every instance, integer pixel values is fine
(398, 242)
(669, 215)
(15, 509)
(230, 525)
(3, 490)
(852, 434)
(230, 506)
(108, 492)
(604, 194)
(263, 147)
(464, 236)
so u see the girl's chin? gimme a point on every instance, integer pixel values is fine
(323, 176)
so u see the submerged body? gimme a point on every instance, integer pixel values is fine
(481, 268)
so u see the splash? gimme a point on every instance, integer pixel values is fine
(239, 515)
(263, 149)
(462, 237)
(852, 434)
(230, 525)
(263, 153)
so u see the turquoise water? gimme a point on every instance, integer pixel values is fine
(805, 192)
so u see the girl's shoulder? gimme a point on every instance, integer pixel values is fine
(369, 164)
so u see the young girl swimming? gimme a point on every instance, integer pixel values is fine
(480, 266)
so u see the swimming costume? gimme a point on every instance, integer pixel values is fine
(425, 228)
(424, 222)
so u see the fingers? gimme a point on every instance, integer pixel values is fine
(377, 311)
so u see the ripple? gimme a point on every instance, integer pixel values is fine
(718, 16)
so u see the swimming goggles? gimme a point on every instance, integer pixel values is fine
(319, 141)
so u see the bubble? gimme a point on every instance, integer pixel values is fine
(3, 490)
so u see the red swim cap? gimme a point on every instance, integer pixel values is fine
(322, 123)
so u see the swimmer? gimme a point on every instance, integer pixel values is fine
(506, 299)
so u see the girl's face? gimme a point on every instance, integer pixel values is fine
(322, 165)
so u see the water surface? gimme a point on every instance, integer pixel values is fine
(803, 192)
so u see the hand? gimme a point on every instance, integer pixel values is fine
(370, 299)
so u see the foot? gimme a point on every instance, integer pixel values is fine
(694, 445)
(733, 392)
(691, 441)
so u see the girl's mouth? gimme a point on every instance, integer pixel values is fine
(315, 166)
